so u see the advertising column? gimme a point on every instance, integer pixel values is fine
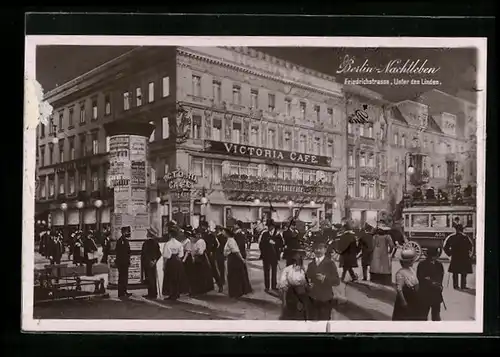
(127, 176)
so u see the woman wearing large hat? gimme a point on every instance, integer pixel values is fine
(381, 264)
(198, 267)
(407, 305)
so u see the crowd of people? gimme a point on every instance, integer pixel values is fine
(191, 261)
(197, 261)
(80, 246)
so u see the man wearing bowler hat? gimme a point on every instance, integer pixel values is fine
(123, 261)
(430, 274)
(270, 245)
(459, 247)
(322, 276)
(149, 257)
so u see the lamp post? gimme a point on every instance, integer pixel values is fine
(158, 213)
(64, 208)
(409, 169)
(80, 205)
(204, 202)
(98, 204)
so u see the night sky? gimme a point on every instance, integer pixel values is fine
(457, 67)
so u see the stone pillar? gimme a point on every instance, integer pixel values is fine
(128, 143)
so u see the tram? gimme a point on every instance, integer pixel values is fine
(427, 226)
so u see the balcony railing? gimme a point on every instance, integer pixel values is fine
(251, 186)
(369, 172)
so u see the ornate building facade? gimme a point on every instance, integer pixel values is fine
(367, 179)
(262, 137)
(435, 135)
(238, 135)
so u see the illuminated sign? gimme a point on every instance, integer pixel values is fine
(218, 147)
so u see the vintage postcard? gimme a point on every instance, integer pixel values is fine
(254, 184)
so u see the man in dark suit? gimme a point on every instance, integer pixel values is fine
(292, 242)
(430, 274)
(212, 244)
(270, 246)
(322, 276)
(149, 257)
(123, 261)
(219, 256)
(459, 247)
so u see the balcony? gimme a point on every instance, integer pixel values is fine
(369, 172)
(366, 140)
(245, 188)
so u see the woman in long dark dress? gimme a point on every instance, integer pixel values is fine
(199, 271)
(175, 279)
(237, 272)
(407, 306)
(293, 285)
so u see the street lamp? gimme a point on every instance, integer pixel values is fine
(64, 208)
(98, 204)
(409, 169)
(80, 205)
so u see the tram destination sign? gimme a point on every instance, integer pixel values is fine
(218, 147)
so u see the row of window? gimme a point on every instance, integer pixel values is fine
(370, 190)
(128, 98)
(444, 148)
(58, 153)
(216, 133)
(435, 171)
(217, 95)
(212, 170)
(47, 184)
(366, 130)
(366, 159)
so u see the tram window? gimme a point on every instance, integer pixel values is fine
(420, 220)
(440, 221)
(465, 220)
(407, 220)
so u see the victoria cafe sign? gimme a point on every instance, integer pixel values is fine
(180, 182)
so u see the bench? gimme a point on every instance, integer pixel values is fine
(61, 280)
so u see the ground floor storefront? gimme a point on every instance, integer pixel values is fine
(226, 212)
(367, 211)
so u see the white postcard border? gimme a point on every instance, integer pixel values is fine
(31, 324)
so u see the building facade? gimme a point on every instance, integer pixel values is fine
(263, 138)
(73, 188)
(239, 134)
(433, 135)
(254, 136)
(367, 179)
